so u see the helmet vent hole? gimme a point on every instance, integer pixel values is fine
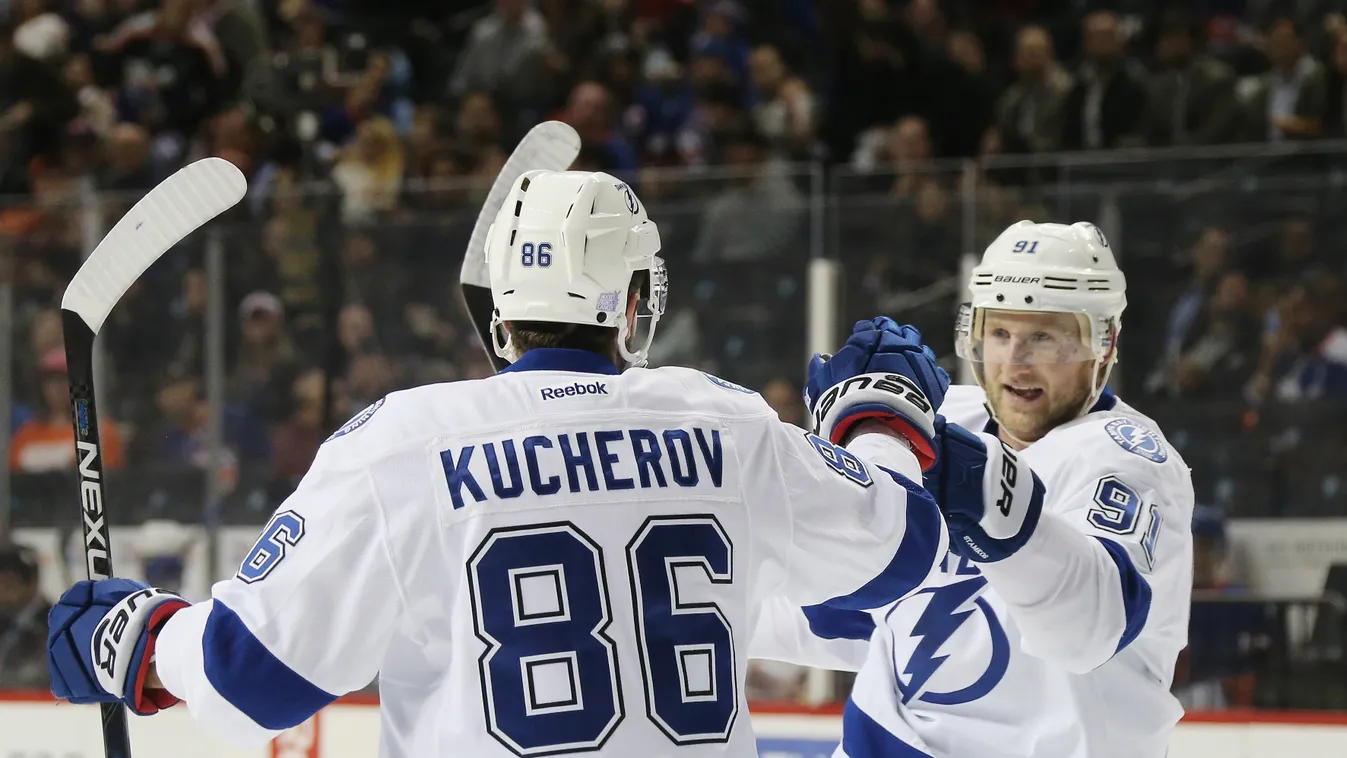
(1029, 299)
(524, 185)
(568, 210)
(1000, 298)
(518, 208)
(576, 296)
(513, 232)
(601, 317)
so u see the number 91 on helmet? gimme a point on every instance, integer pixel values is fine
(576, 247)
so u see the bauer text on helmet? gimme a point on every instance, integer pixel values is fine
(567, 247)
(1042, 325)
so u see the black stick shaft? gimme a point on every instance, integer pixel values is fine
(480, 307)
(79, 355)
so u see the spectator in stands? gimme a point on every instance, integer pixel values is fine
(290, 242)
(242, 36)
(47, 441)
(355, 331)
(178, 435)
(373, 277)
(260, 370)
(720, 37)
(1222, 351)
(662, 104)
(1191, 97)
(909, 156)
(185, 332)
(1105, 106)
(717, 110)
(296, 442)
(767, 197)
(89, 19)
(1290, 99)
(1029, 115)
(963, 101)
(129, 168)
(478, 127)
(307, 67)
(872, 51)
(1209, 257)
(591, 111)
(1306, 357)
(370, 171)
(506, 55)
(35, 103)
(784, 111)
(1297, 258)
(170, 72)
(44, 337)
(97, 111)
(23, 621)
(371, 376)
(786, 399)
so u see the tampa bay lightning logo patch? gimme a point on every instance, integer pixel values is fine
(358, 420)
(1137, 439)
(728, 385)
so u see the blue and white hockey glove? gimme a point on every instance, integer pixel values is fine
(100, 642)
(990, 497)
(884, 373)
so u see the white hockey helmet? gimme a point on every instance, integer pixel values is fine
(564, 249)
(1049, 268)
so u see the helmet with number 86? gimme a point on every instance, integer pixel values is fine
(574, 247)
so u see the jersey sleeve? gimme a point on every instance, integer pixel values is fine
(837, 640)
(307, 618)
(853, 529)
(1111, 559)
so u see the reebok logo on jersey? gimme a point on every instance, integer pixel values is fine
(574, 390)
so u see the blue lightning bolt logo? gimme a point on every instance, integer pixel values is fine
(946, 611)
(1137, 439)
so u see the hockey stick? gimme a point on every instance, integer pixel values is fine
(179, 205)
(551, 145)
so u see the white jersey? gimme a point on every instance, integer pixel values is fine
(1066, 649)
(557, 559)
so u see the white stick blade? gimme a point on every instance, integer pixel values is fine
(551, 145)
(175, 208)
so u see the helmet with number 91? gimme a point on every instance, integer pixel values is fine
(574, 247)
(1047, 304)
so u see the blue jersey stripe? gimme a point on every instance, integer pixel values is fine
(863, 737)
(1136, 592)
(911, 563)
(835, 624)
(246, 674)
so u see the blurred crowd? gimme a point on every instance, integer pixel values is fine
(369, 132)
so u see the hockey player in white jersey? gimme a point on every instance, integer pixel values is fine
(564, 558)
(1054, 624)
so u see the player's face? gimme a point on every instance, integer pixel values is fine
(1036, 370)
